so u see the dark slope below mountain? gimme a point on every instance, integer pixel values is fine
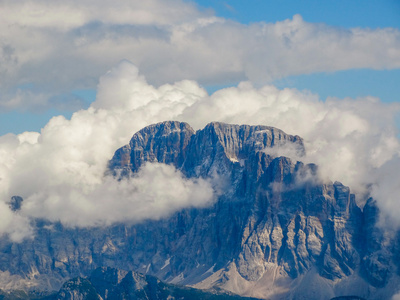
(275, 231)
(109, 283)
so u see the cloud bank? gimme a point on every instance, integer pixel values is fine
(156, 191)
(50, 47)
(59, 171)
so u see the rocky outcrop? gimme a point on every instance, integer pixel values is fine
(109, 283)
(163, 142)
(275, 228)
(78, 289)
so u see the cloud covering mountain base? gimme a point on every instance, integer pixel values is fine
(60, 171)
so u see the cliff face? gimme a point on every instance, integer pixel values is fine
(164, 143)
(275, 230)
(271, 211)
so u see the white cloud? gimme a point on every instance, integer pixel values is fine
(156, 191)
(347, 138)
(396, 296)
(386, 189)
(59, 46)
(289, 150)
(74, 14)
(60, 171)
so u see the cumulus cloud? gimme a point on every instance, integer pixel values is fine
(58, 46)
(60, 171)
(156, 191)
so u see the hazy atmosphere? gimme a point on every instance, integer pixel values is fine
(79, 78)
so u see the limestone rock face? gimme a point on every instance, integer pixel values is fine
(274, 228)
(382, 248)
(218, 146)
(162, 142)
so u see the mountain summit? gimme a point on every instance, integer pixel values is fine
(276, 231)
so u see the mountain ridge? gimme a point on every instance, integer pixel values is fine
(274, 227)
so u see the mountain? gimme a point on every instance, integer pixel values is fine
(276, 231)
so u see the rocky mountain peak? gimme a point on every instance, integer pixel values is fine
(240, 140)
(162, 142)
(210, 150)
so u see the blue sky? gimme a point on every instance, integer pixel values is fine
(353, 82)
(343, 13)
(384, 84)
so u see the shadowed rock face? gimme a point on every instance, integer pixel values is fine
(109, 283)
(218, 145)
(271, 211)
(163, 142)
